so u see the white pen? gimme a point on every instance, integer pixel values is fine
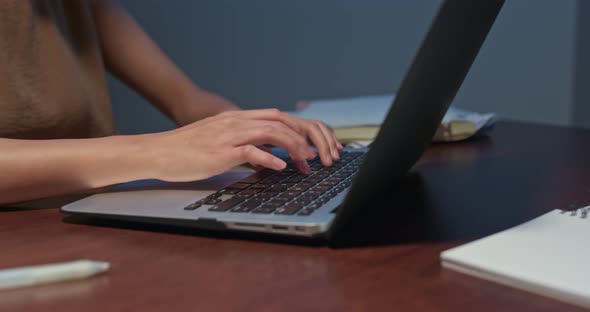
(50, 273)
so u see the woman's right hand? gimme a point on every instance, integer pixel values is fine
(216, 144)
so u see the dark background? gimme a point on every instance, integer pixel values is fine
(270, 53)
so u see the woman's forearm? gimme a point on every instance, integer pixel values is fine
(33, 169)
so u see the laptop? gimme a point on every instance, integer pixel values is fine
(324, 203)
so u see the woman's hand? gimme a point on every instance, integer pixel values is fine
(216, 144)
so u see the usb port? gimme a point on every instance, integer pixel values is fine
(280, 227)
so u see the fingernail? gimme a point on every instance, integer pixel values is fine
(278, 164)
(311, 152)
(335, 154)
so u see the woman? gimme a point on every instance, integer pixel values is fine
(56, 126)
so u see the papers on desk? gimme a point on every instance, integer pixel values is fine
(349, 112)
(548, 256)
(357, 120)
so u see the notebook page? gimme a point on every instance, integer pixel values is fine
(548, 255)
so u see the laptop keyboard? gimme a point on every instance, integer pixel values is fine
(285, 192)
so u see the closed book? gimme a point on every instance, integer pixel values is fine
(352, 134)
(359, 118)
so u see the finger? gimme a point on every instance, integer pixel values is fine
(258, 132)
(304, 127)
(263, 148)
(302, 166)
(259, 114)
(257, 157)
(329, 135)
(271, 114)
(339, 146)
(315, 134)
(296, 124)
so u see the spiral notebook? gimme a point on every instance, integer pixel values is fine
(548, 255)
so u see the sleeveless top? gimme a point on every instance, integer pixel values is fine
(52, 75)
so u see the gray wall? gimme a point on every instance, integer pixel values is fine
(581, 100)
(270, 53)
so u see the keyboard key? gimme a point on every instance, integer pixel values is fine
(322, 188)
(291, 193)
(314, 192)
(293, 179)
(238, 186)
(230, 191)
(278, 201)
(305, 199)
(305, 185)
(298, 188)
(289, 209)
(305, 212)
(315, 205)
(260, 186)
(227, 204)
(313, 180)
(272, 180)
(258, 176)
(215, 195)
(263, 196)
(316, 167)
(273, 203)
(193, 206)
(332, 194)
(265, 209)
(328, 183)
(246, 206)
(285, 174)
(249, 192)
(324, 199)
(278, 188)
(271, 193)
(268, 190)
(333, 180)
(212, 201)
(339, 176)
(308, 197)
(322, 174)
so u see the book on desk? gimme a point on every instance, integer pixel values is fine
(359, 118)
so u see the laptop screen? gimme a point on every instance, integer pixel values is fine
(434, 77)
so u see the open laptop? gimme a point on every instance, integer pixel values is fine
(325, 202)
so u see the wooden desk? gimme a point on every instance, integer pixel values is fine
(521, 167)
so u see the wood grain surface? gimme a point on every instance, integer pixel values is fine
(525, 168)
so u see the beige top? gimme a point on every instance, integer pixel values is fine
(52, 76)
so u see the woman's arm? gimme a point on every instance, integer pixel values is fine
(33, 169)
(133, 57)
